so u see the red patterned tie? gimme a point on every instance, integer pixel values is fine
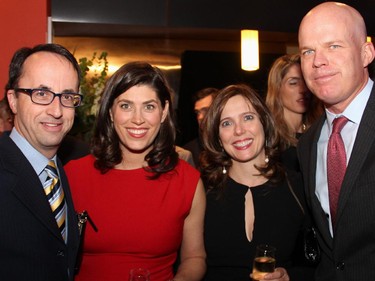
(336, 164)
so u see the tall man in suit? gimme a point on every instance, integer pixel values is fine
(335, 58)
(42, 93)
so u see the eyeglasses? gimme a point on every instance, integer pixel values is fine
(46, 97)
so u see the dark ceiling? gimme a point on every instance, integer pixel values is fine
(169, 15)
(200, 35)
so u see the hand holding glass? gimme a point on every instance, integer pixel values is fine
(264, 261)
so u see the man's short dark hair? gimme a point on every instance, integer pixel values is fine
(20, 56)
(201, 94)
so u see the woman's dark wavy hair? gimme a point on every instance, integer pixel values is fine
(106, 144)
(20, 56)
(213, 158)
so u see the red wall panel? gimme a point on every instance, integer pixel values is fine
(23, 23)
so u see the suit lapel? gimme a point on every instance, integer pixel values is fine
(363, 143)
(73, 235)
(318, 212)
(27, 186)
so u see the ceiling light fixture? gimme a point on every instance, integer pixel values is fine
(249, 50)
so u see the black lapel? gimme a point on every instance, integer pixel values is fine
(362, 145)
(26, 185)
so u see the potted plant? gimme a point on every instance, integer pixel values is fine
(94, 72)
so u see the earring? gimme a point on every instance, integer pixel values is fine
(266, 146)
(224, 170)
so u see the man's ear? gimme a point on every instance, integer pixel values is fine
(368, 53)
(12, 100)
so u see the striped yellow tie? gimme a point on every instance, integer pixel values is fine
(55, 196)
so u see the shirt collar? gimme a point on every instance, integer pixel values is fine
(37, 160)
(355, 109)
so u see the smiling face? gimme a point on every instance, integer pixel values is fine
(294, 94)
(44, 126)
(241, 132)
(334, 54)
(137, 115)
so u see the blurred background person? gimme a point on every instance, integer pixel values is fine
(202, 101)
(251, 200)
(185, 155)
(6, 116)
(72, 148)
(146, 202)
(292, 105)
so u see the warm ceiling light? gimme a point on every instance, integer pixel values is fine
(368, 38)
(249, 50)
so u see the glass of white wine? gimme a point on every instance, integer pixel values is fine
(264, 261)
(139, 274)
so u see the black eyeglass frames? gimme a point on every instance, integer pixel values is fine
(46, 97)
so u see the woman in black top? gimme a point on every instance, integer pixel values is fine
(251, 200)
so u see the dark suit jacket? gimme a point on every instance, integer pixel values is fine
(195, 147)
(72, 148)
(350, 255)
(31, 246)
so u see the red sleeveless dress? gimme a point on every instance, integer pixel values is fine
(140, 221)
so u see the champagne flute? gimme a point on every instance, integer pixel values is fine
(264, 261)
(139, 274)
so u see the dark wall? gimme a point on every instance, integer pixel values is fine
(213, 69)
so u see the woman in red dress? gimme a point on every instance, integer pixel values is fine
(147, 204)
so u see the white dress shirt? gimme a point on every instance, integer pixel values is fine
(354, 113)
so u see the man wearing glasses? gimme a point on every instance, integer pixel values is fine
(38, 227)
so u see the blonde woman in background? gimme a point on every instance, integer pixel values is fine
(292, 105)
